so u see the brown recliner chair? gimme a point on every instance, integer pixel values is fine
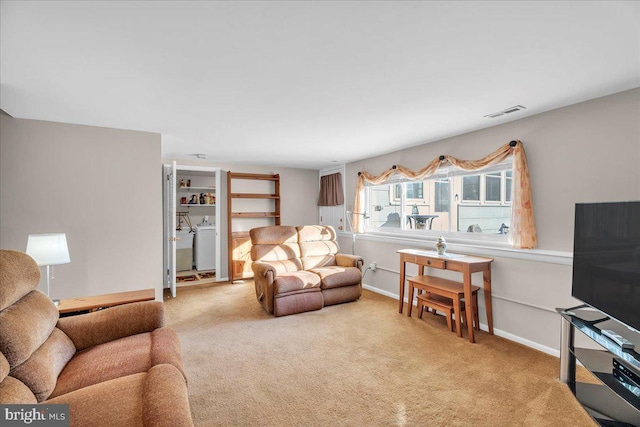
(298, 269)
(118, 366)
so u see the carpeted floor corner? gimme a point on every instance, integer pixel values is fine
(355, 364)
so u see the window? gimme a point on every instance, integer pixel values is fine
(508, 182)
(441, 195)
(450, 202)
(471, 188)
(414, 190)
(492, 186)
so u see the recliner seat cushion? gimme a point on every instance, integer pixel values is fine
(156, 398)
(295, 281)
(335, 277)
(125, 356)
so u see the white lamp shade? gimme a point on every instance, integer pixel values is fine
(48, 249)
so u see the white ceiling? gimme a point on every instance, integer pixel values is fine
(303, 84)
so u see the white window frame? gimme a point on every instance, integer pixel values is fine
(484, 192)
(480, 187)
(455, 236)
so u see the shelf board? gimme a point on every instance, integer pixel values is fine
(254, 215)
(193, 204)
(197, 189)
(254, 196)
(601, 398)
(258, 176)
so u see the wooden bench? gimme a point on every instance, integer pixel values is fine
(448, 289)
(436, 303)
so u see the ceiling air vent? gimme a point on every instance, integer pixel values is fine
(506, 111)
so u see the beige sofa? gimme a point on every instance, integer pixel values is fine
(298, 269)
(113, 367)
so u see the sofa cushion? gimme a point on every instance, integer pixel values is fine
(318, 246)
(270, 235)
(155, 398)
(295, 281)
(125, 356)
(315, 233)
(277, 253)
(13, 391)
(298, 302)
(19, 275)
(4, 367)
(318, 254)
(342, 294)
(40, 372)
(335, 277)
(276, 245)
(25, 326)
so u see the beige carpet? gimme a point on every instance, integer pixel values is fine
(355, 364)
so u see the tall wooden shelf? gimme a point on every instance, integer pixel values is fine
(239, 241)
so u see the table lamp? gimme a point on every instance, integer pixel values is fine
(48, 249)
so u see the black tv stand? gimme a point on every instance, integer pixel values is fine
(584, 313)
(612, 402)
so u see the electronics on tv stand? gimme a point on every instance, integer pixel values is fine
(628, 378)
(618, 365)
(618, 339)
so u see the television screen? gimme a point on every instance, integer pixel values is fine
(606, 259)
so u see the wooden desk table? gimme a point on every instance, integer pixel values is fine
(464, 264)
(107, 300)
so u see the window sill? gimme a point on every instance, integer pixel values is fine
(485, 247)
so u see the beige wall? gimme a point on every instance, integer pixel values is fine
(103, 188)
(298, 190)
(100, 186)
(587, 152)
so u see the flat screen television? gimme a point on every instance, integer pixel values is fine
(606, 259)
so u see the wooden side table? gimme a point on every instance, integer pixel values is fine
(102, 301)
(464, 264)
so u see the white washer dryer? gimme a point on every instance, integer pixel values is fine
(205, 247)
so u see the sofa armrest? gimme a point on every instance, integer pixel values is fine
(344, 260)
(262, 269)
(263, 276)
(88, 330)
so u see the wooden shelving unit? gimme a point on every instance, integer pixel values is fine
(239, 241)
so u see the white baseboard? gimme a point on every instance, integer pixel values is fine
(484, 327)
(525, 342)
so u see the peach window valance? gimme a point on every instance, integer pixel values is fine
(522, 231)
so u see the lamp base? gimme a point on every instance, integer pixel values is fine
(56, 302)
